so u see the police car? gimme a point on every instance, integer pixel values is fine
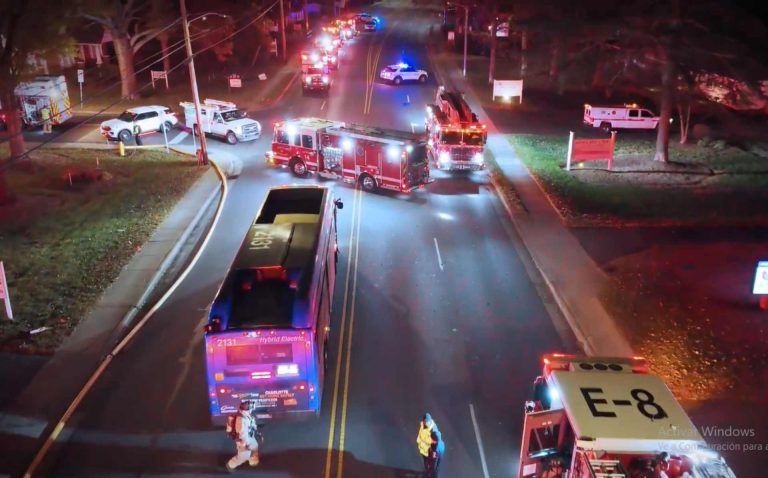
(403, 72)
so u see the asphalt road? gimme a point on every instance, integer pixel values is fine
(438, 303)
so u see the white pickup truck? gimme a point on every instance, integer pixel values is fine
(222, 119)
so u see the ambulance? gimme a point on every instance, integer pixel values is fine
(222, 119)
(628, 116)
(610, 418)
(43, 91)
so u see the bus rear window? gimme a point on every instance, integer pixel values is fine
(259, 354)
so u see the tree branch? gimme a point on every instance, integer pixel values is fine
(141, 39)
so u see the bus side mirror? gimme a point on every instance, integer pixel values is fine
(337, 202)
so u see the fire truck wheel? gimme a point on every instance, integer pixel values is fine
(298, 168)
(606, 127)
(367, 182)
(231, 137)
(423, 79)
(397, 80)
(125, 136)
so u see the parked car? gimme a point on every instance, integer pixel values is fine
(147, 118)
(403, 72)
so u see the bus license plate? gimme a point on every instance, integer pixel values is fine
(289, 401)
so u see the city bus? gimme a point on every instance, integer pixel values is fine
(266, 338)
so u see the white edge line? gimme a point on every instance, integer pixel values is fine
(479, 441)
(439, 259)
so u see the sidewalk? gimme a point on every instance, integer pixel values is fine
(572, 276)
(41, 399)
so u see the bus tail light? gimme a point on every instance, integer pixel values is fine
(214, 325)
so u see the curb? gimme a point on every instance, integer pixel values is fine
(170, 257)
(583, 340)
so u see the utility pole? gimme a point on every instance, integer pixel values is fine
(282, 31)
(203, 158)
(466, 29)
(306, 18)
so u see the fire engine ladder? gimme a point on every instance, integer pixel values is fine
(607, 469)
(457, 109)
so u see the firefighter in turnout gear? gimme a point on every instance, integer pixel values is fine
(242, 428)
(424, 440)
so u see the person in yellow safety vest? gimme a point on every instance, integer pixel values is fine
(137, 135)
(243, 429)
(45, 115)
(424, 439)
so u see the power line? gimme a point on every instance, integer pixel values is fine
(8, 163)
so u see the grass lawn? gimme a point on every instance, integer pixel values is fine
(63, 244)
(704, 185)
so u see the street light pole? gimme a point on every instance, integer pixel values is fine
(466, 25)
(193, 81)
(282, 30)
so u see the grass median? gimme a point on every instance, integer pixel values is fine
(78, 218)
(700, 185)
(686, 307)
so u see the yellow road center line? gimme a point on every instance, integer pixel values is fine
(331, 431)
(345, 395)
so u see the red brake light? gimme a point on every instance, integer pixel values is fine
(271, 272)
(214, 325)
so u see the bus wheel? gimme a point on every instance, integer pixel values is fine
(367, 182)
(298, 168)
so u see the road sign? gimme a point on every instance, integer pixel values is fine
(507, 89)
(80, 76)
(590, 150)
(235, 81)
(159, 75)
(761, 279)
(4, 292)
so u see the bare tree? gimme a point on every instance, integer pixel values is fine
(127, 23)
(31, 27)
(162, 13)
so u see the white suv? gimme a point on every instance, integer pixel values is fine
(147, 118)
(403, 72)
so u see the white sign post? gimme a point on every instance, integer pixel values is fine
(4, 292)
(761, 279)
(159, 75)
(81, 80)
(235, 81)
(508, 89)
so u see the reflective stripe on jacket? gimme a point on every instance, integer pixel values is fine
(424, 438)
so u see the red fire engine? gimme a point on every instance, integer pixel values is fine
(610, 417)
(373, 157)
(456, 137)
